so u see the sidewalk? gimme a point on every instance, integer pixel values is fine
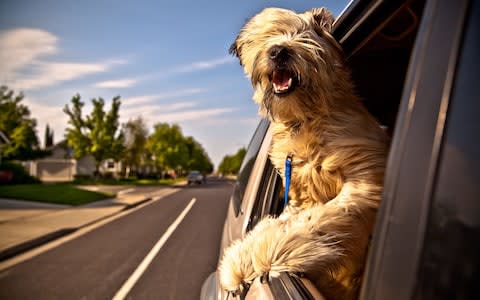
(25, 225)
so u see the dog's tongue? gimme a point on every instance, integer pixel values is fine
(281, 80)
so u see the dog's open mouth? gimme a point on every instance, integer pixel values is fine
(283, 81)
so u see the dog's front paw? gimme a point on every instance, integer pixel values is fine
(236, 270)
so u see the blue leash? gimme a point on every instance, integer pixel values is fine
(288, 175)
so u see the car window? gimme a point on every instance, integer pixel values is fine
(247, 164)
(269, 200)
(450, 264)
(395, 254)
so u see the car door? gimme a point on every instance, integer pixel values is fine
(427, 239)
(246, 185)
(244, 196)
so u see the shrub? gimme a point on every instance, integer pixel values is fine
(13, 173)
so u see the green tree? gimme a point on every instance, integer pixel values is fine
(231, 164)
(197, 157)
(48, 137)
(97, 134)
(136, 134)
(172, 150)
(18, 127)
(168, 147)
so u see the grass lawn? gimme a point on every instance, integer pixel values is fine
(51, 193)
(132, 181)
(159, 181)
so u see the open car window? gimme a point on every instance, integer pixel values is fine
(378, 38)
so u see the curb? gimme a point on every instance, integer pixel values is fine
(25, 246)
(38, 241)
(132, 205)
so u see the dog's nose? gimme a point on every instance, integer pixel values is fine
(279, 53)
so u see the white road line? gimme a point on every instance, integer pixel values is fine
(128, 285)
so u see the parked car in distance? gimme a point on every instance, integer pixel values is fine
(415, 64)
(195, 177)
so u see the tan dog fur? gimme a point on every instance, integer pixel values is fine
(339, 153)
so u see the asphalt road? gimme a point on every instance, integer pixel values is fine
(96, 265)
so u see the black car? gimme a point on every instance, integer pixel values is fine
(416, 65)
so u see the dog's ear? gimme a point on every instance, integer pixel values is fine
(323, 19)
(235, 50)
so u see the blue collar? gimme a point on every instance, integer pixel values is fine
(288, 175)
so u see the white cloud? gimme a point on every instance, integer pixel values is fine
(23, 52)
(153, 110)
(192, 67)
(173, 112)
(48, 74)
(120, 83)
(146, 99)
(252, 121)
(139, 100)
(22, 46)
(192, 115)
(177, 106)
(203, 65)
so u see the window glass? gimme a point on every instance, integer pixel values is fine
(248, 162)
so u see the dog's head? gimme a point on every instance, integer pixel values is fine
(290, 59)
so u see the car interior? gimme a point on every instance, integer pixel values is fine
(379, 62)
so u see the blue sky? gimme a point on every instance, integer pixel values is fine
(168, 60)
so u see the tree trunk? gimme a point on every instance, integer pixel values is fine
(127, 171)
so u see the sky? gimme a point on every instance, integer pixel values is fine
(167, 60)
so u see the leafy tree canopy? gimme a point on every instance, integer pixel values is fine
(231, 164)
(18, 127)
(172, 150)
(98, 133)
(136, 134)
(198, 157)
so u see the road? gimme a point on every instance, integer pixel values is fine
(97, 264)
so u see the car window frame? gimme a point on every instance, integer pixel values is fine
(267, 201)
(247, 165)
(401, 223)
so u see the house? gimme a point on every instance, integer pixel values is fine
(61, 166)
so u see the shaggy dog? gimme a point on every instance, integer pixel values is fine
(338, 153)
